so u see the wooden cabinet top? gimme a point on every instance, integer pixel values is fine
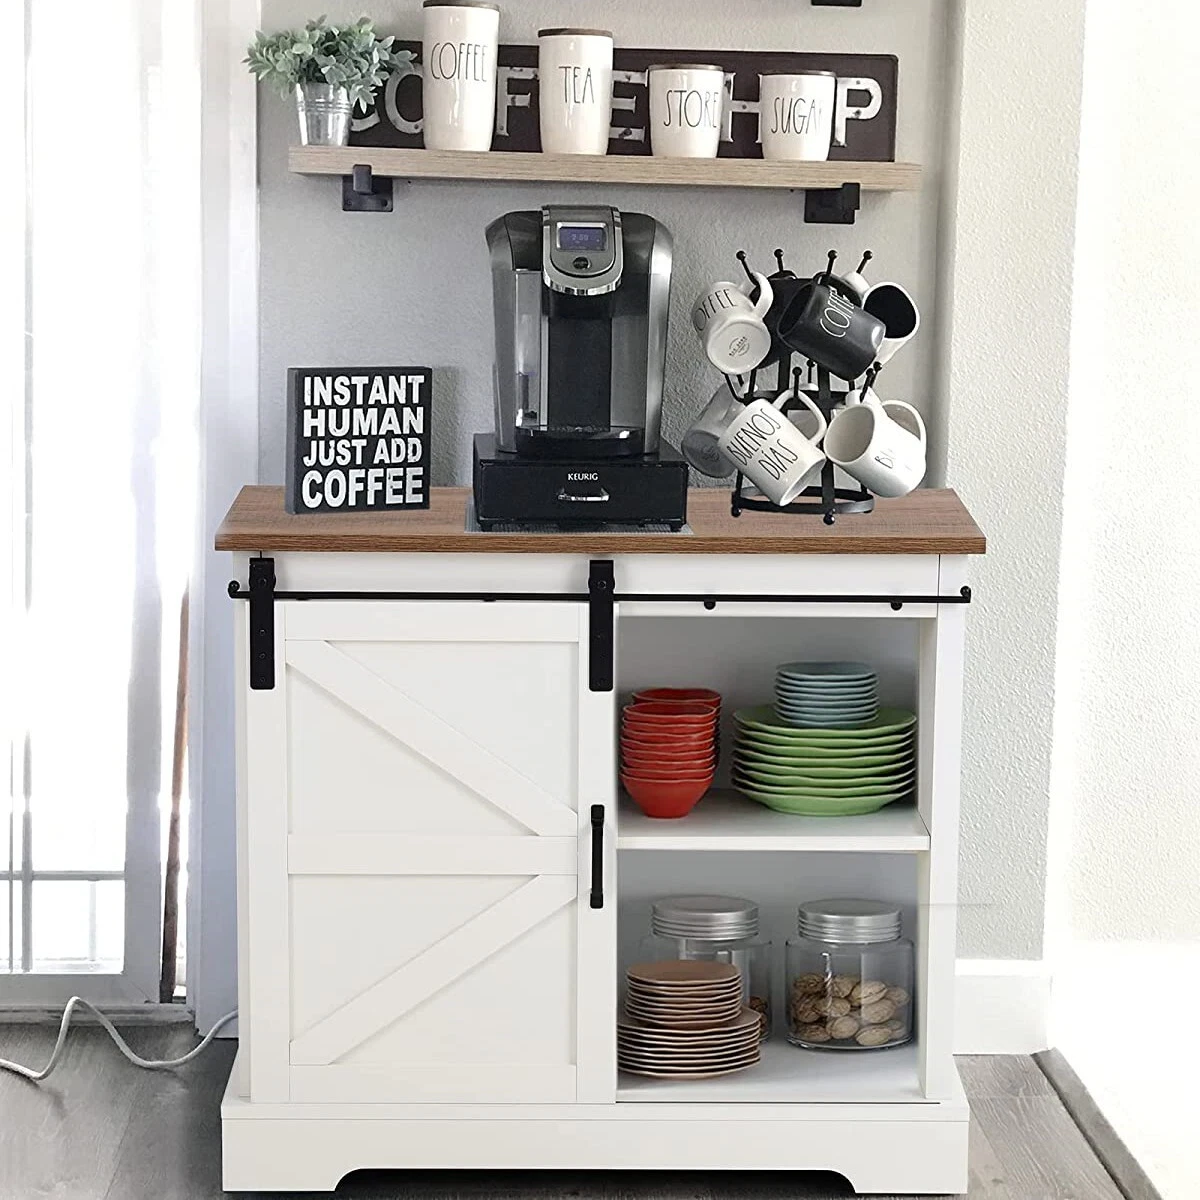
(931, 521)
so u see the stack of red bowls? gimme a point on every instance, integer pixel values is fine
(669, 748)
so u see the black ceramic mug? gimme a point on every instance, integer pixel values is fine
(823, 325)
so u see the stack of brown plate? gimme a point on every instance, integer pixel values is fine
(686, 1020)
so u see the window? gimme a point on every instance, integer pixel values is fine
(99, 357)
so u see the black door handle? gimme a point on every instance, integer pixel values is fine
(597, 895)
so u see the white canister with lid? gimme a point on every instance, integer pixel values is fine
(795, 115)
(686, 101)
(458, 67)
(575, 78)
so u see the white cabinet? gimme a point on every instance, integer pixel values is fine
(431, 930)
(418, 858)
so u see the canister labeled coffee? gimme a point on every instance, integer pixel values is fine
(458, 57)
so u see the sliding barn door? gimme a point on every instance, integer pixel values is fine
(418, 793)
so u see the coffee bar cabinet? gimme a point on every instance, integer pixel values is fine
(439, 881)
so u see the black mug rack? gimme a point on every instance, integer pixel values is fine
(825, 499)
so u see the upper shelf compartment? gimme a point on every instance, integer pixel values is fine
(832, 188)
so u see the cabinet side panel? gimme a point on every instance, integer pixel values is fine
(266, 908)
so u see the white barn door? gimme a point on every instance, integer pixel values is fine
(419, 787)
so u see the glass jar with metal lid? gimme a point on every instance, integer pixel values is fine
(715, 929)
(849, 977)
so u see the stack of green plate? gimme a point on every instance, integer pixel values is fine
(824, 772)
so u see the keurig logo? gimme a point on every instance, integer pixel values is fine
(583, 477)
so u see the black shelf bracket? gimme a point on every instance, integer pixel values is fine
(837, 3)
(262, 623)
(601, 587)
(364, 191)
(832, 206)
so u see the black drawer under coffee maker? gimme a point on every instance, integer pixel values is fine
(648, 489)
(580, 299)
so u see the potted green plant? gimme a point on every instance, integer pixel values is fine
(329, 69)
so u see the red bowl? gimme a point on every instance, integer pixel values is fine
(653, 766)
(668, 770)
(654, 741)
(664, 755)
(670, 710)
(636, 724)
(665, 800)
(667, 695)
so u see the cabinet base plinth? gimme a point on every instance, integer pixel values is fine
(885, 1149)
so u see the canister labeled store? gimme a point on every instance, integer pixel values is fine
(796, 115)
(849, 977)
(685, 109)
(575, 77)
(458, 67)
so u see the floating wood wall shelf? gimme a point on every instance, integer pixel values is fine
(832, 186)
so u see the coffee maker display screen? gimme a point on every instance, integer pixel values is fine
(582, 237)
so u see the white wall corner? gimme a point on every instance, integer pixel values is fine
(1001, 1006)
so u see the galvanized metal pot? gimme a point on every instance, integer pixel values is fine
(324, 112)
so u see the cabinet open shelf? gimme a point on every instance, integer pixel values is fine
(724, 820)
(790, 1075)
(393, 163)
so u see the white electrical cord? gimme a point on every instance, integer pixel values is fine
(148, 1063)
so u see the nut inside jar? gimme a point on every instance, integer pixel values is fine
(840, 1011)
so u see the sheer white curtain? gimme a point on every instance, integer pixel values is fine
(100, 363)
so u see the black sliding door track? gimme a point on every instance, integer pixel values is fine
(600, 598)
(709, 599)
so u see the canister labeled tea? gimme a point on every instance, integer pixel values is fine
(575, 78)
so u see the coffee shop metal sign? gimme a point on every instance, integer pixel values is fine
(864, 123)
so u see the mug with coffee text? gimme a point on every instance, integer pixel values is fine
(685, 109)
(771, 452)
(731, 326)
(458, 66)
(885, 455)
(575, 78)
(831, 330)
(796, 115)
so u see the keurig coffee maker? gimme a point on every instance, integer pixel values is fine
(580, 297)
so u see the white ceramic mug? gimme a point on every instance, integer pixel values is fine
(700, 443)
(771, 452)
(458, 66)
(575, 80)
(731, 326)
(856, 281)
(899, 314)
(796, 115)
(886, 456)
(685, 109)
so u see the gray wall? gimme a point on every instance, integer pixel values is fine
(412, 286)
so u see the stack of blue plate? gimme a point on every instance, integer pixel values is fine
(826, 695)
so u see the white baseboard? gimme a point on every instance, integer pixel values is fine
(1001, 1006)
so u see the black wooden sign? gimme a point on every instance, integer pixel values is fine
(864, 119)
(357, 439)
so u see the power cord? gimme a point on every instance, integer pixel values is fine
(148, 1063)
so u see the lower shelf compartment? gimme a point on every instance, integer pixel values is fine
(790, 1075)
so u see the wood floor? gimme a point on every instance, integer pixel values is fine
(100, 1129)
